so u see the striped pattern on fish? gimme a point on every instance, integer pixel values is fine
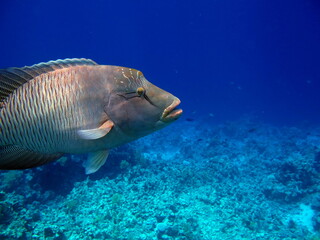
(44, 114)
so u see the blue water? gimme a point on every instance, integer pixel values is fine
(227, 58)
(248, 75)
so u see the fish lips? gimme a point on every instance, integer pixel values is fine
(171, 113)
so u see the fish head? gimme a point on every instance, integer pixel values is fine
(138, 107)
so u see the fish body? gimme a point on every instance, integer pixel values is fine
(76, 106)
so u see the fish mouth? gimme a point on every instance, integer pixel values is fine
(171, 113)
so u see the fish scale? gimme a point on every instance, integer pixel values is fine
(52, 108)
(22, 121)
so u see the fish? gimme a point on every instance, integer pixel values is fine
(76, 106)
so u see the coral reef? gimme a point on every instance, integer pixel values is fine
(194, 180)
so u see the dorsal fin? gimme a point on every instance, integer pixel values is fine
(13, 78)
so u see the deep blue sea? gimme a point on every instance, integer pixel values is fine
(243, 162)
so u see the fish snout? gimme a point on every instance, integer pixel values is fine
(171, 113)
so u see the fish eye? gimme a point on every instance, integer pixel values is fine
(140, 91)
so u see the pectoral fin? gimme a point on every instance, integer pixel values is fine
(96, 133)
(95, 161)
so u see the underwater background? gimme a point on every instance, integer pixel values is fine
(243, 162)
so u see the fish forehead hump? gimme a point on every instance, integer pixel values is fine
(128, 78)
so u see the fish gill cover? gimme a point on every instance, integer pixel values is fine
(243, 162)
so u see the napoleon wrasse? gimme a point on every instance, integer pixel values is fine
(76, 106)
